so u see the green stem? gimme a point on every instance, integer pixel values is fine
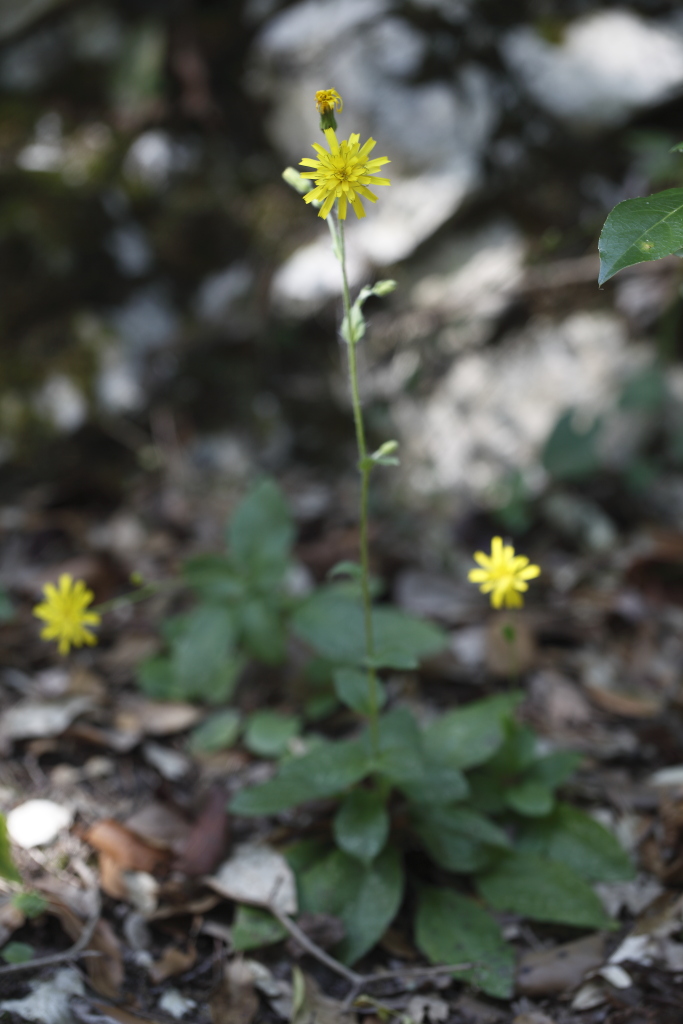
(134, 596)
(364, 468)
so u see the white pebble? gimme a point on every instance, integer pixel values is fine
(37, 822)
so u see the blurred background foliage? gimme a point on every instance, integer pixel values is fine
(162, 288)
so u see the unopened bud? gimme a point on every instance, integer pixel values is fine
(384, 287)
(326, 101)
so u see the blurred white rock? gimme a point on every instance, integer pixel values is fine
(609, 64)
(62, 403)
(496, 406)
(37, 822)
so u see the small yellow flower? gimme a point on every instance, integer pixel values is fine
(343, 174)
(64, 611)
(503, 574)
(328, 99)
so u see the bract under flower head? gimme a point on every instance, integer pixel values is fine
(64, 611)
(343, 173)
(503, 574)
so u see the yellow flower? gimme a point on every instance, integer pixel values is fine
(328, 99)
(343, 174)
(503, 574)
(64, 611)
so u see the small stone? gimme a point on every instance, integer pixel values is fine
(175, 1004)
(37, 822)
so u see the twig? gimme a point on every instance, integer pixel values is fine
(74, 952)
(311, 947)
(358, 981)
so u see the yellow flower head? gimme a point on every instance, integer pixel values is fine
(64, 611)
(328, 99)
(344, 174)
(503, 574)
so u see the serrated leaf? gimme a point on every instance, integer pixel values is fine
(218, 732)
(573, 838)
(324, 772)
(469, 736)
(452, 929)
(365, 898)
(361, 825)
(530, 798)
(351, 686)
(458, 838)
(542, 890)
(641, 229)
(260, 536)
(268, 733)
(253, 928)
(334, 626)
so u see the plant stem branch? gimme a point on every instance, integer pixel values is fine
(364, 468)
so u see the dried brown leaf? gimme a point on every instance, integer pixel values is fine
(124, 847)
(208, 840)
(235, 1002)
(172, 961)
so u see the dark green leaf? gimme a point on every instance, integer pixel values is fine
(261, 534)
(458, 838)
(361, 825)
(451, 929)
(30, 903)
(218, 732)
(571, 453)
(543, 890)
(214, 577)
(334, 626)
(438, 784)
(366, 898)
(6, 606)
(263, 629)
(351, 686)
(156, 679)
(400, 747)
(203, 659)
(555, 768)
(268, 733)
(17, 953)
(530, 798)
(7, 868)
(253, 928)
(573, 838)
(325, 772)
(641, 229)
(469, 736)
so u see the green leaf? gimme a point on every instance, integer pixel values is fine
(324, 772)
(156, 679)
(365, 898)
(17, 953)
(6, 606)
(542, 890)
(260, 536)
(469, 736)
(573, 838)
(264, 633)
(203, 659)
(458, 838)
(555, 768)
(334, 627)
(218, 732)
(570, 453)
(30, 903)
(400, 747)
(530, 798)
(253, 928)
(438, 784)
(214, 577)
(7, 868)
(452, 929)
(361, 825)
(268, 733)
(351, 686)
(641, 229)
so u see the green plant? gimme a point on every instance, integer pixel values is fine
(468, 794)
(241, 609)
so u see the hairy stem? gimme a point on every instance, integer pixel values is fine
(364, 468)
